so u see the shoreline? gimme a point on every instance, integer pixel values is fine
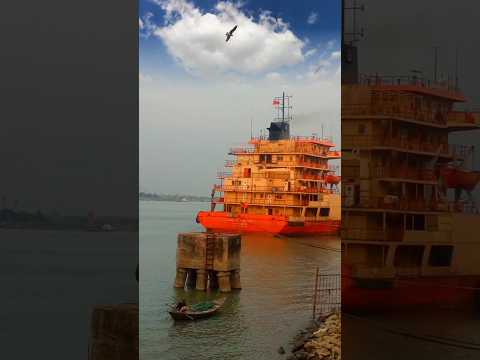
(321, 340)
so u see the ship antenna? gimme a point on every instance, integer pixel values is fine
(283, 107)
(355, 35)
(435, 66)
(251, 128)
(456, 68)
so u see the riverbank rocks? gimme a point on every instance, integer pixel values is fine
(323, 342)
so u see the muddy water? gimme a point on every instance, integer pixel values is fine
(275, 302)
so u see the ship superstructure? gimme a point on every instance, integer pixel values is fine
(408, 214)
(278, 183)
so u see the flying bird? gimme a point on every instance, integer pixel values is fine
(230, 33)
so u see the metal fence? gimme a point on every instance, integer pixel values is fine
(326, 294)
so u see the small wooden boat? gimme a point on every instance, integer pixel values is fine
(192, 314)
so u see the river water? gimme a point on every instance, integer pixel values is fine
(277, 276)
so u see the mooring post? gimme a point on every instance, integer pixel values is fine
(315, 291)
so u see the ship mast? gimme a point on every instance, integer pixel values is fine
(280, 126)
(349, 50)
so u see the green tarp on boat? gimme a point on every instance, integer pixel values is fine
(204, 306)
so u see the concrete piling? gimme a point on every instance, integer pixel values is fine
(235, 280)
(224, 281)
(208, 261)
(180, 278)
(201, 279)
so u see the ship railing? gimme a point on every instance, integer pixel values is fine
(290, 149)
(414, 80)
(242, 150)
(223, 174)
(271, 189)
(404, 172)
(356, 141)
(464, 117)
(311, 164)
(269, 202)
(284, 163)
(326, 140)
(309, 177)
(363, 234)
(393, 110)
(392, 202)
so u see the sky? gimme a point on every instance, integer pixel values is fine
(201, 95)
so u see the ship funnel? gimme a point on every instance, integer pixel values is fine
(279, 130)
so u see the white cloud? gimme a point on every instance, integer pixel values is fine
(312, 18)
(146, 25)
(196, 39)
(335, 55)
(310, 52)
(274, 76)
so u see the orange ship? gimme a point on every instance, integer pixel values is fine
(280, 184)
(406, 239)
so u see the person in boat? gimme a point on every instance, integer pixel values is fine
(181, 306)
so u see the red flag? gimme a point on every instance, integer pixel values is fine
(276, 102)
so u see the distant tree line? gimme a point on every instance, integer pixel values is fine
(171, 197)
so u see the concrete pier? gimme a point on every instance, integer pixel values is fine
(208, 261)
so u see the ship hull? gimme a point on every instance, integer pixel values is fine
(451, 291)
(250, 223)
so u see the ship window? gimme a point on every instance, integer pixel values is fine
(440, 255)
(270, 211)
(277, 196)
(324, 211)
(280, 158)
(408, 256)
(419, 222)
